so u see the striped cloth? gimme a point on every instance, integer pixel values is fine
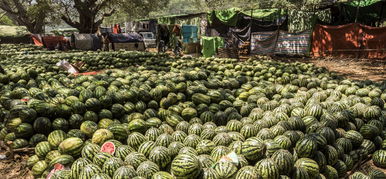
(293, 43)
(263, 42)
(281, 42)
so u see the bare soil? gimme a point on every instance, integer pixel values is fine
(15, 168)
(355, 69)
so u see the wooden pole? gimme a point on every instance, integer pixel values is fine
(381, 13)
(357, 13)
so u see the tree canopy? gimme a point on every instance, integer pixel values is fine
(29, 13)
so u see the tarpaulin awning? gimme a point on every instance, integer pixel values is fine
(231, 16)
(37, 39)
(210, 45)
(189, 33)
(51, 42)
(125, 38)
(362, 3)
(87, 42)
(351, 40)
(83, 41)
(281, 42)
(367, 12)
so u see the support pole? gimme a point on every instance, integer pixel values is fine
(381, 13)
(357, 13)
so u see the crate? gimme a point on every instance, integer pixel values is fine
(227, 53)
(132, 46)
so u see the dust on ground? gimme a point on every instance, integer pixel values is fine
(15, 168)
(355, 69)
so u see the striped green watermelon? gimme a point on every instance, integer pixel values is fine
(122, 151)
(101, 135)
(124, 172)
(78, 166)
(42, 149)
(267, 168)
(247, 172)
(89, 171)
(39, 168)
(379, 158)
(160, 156)
(89, 150)
(61, 159)
(209, 173)
(51, 155)
(225, 169)
(111, 165)
(88, 128)
(100, 158)
(253, 149)
(135, 159)
(284, 161)
(147, 169)
(309, 165)
(185, 166)
(146, 147)
(72, 146)
(56, 137)
(306, 147)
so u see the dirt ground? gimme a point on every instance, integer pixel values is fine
(355, 69)
(15, 168)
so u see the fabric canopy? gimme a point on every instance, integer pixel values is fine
(351, 40)
(210, 45)
(87, 42)
(370, 12)
(362, 3)
(37, 39)
(230, 17)
(125, 38)
(51, 42)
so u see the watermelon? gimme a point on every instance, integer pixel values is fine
(267, 168)
(111, 165)
(101, 135)
(147, 169)
(160, 156)
(78, 166)
(72, 146)
(89, 150)
(61, 159)
(124, 172)
(247, 172)
(225, 169)
(135, 159)
(379, 158)
(56, 137)
(186, 165)
(39, 168)
(308, 165)
(108, 147)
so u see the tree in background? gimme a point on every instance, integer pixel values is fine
(29, 13)
(84, 15)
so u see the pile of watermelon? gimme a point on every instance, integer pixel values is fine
(154, 116)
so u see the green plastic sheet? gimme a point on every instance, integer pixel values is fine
(230, 16)
(362, 3)
(210, 45)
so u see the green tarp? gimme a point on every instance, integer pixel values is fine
(230, 16)
(210, 45)
(370, 12)
(362, 3)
